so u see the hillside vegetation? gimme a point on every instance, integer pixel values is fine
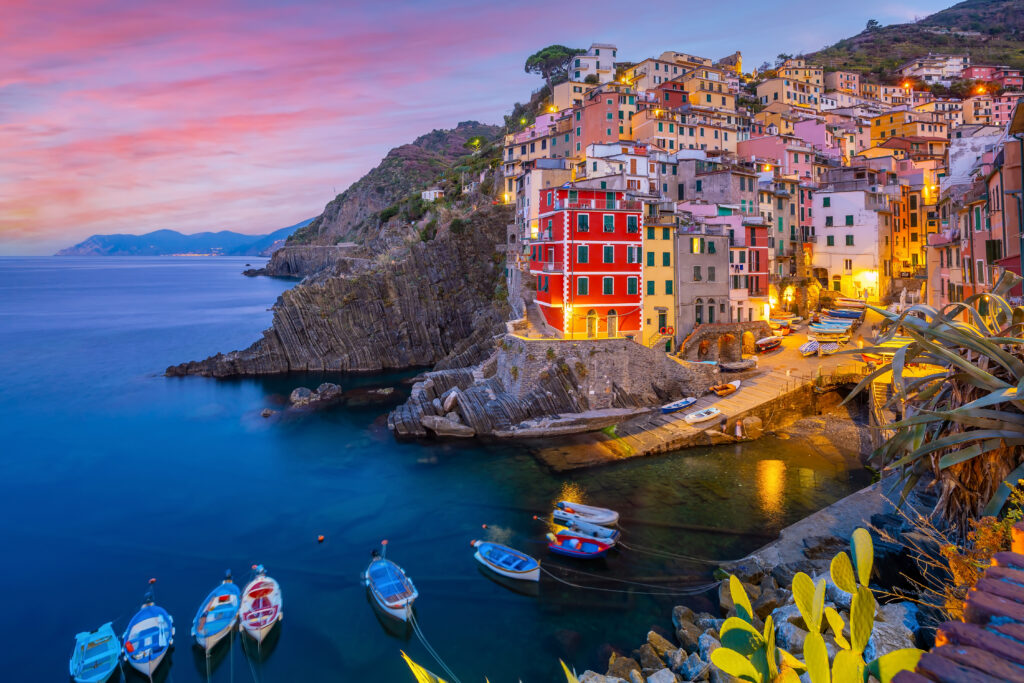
(991, 31)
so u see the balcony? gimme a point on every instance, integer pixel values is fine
(813, 239)
(598, 205)
(551, 266)
(701, 230)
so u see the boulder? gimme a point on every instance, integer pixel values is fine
(896, 626)
(444, 427)
(663, 676)
(688, 634)
(706, 620)
(725, 595)
(619, 666)
(438, 407)
(649, 659)
(636, 677)
(706, 645)
(328, 391)
(659, 644)
(267, 412)
(834, 594)
(824, 547)
(676, 659)
(790, 637)
(680, 614)
(768, 602)
(693, 669)
(301, 396)
(450, 399)
(454, 417)
(592, 677)
(753, 427)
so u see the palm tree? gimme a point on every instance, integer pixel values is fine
(963, 417)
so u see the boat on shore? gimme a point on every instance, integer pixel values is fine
(148, 637)
(767, 344)
(217, 615)
(262, 605)
(703, 415)
(578, 512)
(727, 388)
(571, 545)
(851, 303)
(808, 349)
(389, 586)
(678, 405)
(95, 656)
(506, 561)
(738, 365)
(828, 348)
(844, 313)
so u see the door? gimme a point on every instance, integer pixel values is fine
(662, 321)
(613, 323)
(591, 324)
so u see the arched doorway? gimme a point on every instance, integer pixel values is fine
(591, 323)
(748, 342)
(613, 323)
(727, 348)
(711, 310)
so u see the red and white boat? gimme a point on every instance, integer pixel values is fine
(262, 605)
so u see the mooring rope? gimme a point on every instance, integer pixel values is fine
(426, 644)
(696, 590)
(666, 554)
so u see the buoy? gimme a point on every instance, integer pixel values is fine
(320, 538)
(384, 542)
(152, 581)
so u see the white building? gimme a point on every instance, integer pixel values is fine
(599, 60)
(850, 241)
(432, 195)
(936, 68)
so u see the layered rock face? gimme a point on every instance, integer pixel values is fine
(434, 303)
(300, 261)
(526, 381)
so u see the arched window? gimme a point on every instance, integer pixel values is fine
(613, 323)
(698, 311)
(711, 310)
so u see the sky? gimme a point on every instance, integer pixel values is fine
(195, 115)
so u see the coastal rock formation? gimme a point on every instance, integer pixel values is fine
(436, 302)
(298, 261)
(528, 381)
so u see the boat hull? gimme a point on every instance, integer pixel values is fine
(260, 595)
(208, 642)
(530, 575)
(572, 545)
(701, 416)
(677, 405)
(400, 603)
(95, 657)
(566, 511)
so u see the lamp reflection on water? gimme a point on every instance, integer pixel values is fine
(771, 481)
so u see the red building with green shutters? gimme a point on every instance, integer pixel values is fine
(587, 263)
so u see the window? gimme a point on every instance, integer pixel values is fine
(608, 285)
(632, 254)
(700, 186)
(583, 286)
(668, 286)
(830, 241)
(650, 259)
(847, 264)
(632, 283)
(632, 224)
(664, 234)
(828, 221)
(849, 219)
(650, 288)
(608, 254)
(826, 202)
(711, 273)
(696, 274)
(582, 222)
(666, 258)
(609, 223)
(698, 310)
(582, 253)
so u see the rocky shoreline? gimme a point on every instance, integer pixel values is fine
(683, 653)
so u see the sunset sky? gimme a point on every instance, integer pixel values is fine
(137, 116)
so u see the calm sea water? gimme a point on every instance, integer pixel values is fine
(111, 474)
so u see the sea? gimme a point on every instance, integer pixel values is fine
(112, 475)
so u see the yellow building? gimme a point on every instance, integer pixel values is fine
(800, 70)
(907, 124)
(978, 109)
(707, 87)
(569, 94)
(687, 128)
(950, 111)
(659, 280)
(790, 91)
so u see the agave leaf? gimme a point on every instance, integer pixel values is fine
(743, 639)
(867, 381)
(424, 676)
(986, 346)
(836, 623)
(740, 599)
(1012, 438)
(568, 674)
(953, 360)
(863, 554)
(816, 657)
(887, 666)
(735, 664)
(842, 573)
(862, 618)
(964, 454)
(999, 396)
(995, 504)
(847, 667)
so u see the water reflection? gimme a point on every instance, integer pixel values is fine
(771, 482)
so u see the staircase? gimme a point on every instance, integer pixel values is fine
(881, 392)
(656, 339)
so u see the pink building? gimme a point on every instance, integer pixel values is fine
(1009, 78)
(1003, 106)
(818, 135)
(790, 154)
(978, 72)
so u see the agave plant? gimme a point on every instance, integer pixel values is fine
(963, 418)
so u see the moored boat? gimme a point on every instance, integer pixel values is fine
(808, 349)
(767, 344)
(738, 365)
(390, 588)
(217, 614)
(148, 637)
(566, 511)
(678, 405)
(727, 388)
(507, 561)
(594, 531)
(262, 605)
(571, 545)
(95, 655)
(703, 415)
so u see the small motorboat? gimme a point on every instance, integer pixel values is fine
(726, 389)
(391, 589)
(808, 349)
(738, 365)
(678, 405)
(148, 637)
(828, 348)
(767, 344)
(262, 605)
(566, 543)
(577, 512)
(95, 656)
(703, 415)
(506, 561)
(217, 615)
(594, 531)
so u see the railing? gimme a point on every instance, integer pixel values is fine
(813, 239)
(552, 266)
(600, 204)
(701, 230)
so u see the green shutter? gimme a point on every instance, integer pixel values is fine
(668, 286)
(650, 288)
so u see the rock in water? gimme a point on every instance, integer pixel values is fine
(301, 396)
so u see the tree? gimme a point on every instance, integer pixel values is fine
(592, 79)
(551, 61)
(873, 25)
(780, 58)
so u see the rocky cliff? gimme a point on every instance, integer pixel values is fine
(351, 216)
(431, 301)
(298, 261)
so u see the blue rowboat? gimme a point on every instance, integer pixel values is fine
(95, 655)
(678, 405)
(809, 349)
(217, 615)
(148, 638)
(507, 561)
(829, 329)
(390, 588)
(571, 545)
(844, 313)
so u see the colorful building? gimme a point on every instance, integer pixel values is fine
(845, 81)
(659, 246)
(598, 60)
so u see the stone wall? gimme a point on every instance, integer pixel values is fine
(721, 341)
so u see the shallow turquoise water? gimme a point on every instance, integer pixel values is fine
(111, 474)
